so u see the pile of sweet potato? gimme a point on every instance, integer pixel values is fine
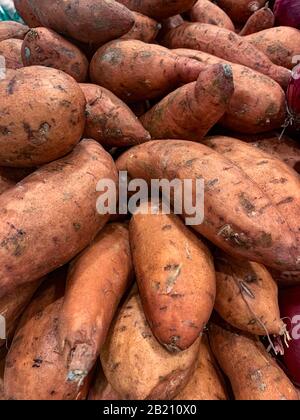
(141, 306)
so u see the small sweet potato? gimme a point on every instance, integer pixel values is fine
(51, 215)
(144, 29)
(262, 19)
(25, 10)
(225, 44)
(136, 365)
(10, 49)
(101, 389)
(193, 109)
(205, 11)
(44, 47)
(241, 10)
(136, 71)
(253, 373)
(281, 44)
(109, 120)
(158, 9)
(11, 29)
(96, 283)
(206, 382)
(177, 284)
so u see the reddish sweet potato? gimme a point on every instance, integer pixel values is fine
(225, 44)
(240, 10)
(192, 110)
(205, 11)
(109, 120)
(258, 102)
(144, 29)
(101, 389)
(253, 373)
(280, 44)
(11, 29)
(135, 71)
(44, 47)
(262, 19)
(51, 215)
(158, 9)
(25, 10)
(10, 49)
(240, 217)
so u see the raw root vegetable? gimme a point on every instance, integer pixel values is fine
(44, 47)
(253, 373)
(109, 120)
(287, 13)
(156, 70)
(101, 389)
(293, 103)
(206, 382)
(289, 300)
(177, 284)
(10, 49)
(258, 102)
(84, 20)
(245, 222)
(144, 29)
(158, 9)
(247, 296)
(51, 215)
(96, 283)
(170, 23)
(193, 109)
(206, 11)
(262, 19)
(240, 10)
(280, 44)
(11, 29)
(136, 365)
(25, 10)
(225, 44)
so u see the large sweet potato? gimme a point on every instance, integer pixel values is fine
(34, 131)
(10, 49)
(136, 71)
(158, 9)
(240, 10)
(225, 44)
(136, 365)
(144, 29)
(240, 217)
(25, 10)
(51, 215)
(11, 29)
(253, 373)
(193, 109)
(205, 11)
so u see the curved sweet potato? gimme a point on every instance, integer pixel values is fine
(192, 110)
(240, 10)
(10, 49)
(225, 44)
(109, 120)
(253, 373)
(262, 19)
(158, 9)
(205, 11)
(155, 72)
(136, 365)
(44, 47)
(51, 215)
(101, 389)
(144, 29)
(11, 29)
(240, 217)
(25, 10)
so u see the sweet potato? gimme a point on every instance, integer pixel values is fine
(275, 179)
(158, 9)
(240, 10)
(11, 29)
(96, 283)
(258, 102)
(136, 365)
(193, 109)
(253, 373)
(101, 389)
(280, 44)
(262, 19)
(136, 71)
(225, 44)
(34, 368)
(25, 10)
(239, 216)
(205, 11)
(44, 47)
(177, 284)
(35, 132)
(109, 120)
(50, 216)
(206, 382)
(10, 49)
(247, 296)
(144, 29)
(169, 23)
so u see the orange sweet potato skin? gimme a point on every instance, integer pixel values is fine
(158, 9)
(50, 216)
(44, 47)
(253, 373)
(11, 29)
(239, 215)
(25, 10)
(10, 49)
(205, 11)
(240, 10)
(109, 120)
(144, 29)
(262, 19)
